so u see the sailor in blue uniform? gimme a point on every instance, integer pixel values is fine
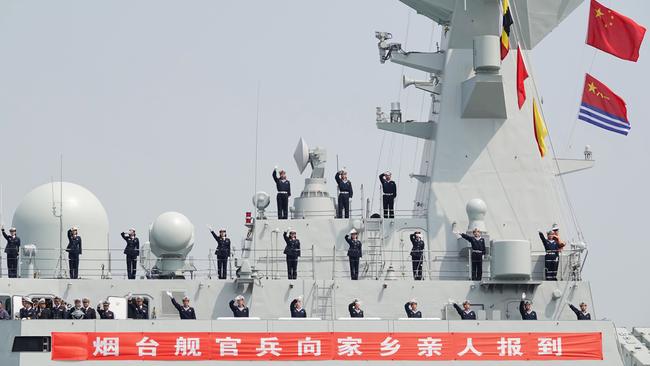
(185, 311)
(297, 311)
(466, 313)
(526, 309)
(27, 311)
(238, 307)
(477, 252)
(354, 253)
(345, 194)
(389, 189)
(411, 309)
(104, 312)
(417, 254)
(74, 251)
(132, 250)
(222, 252)
(137, 310)
(292, 251)
(582, 313)
(552, 257)
(284, 192)
(12, 250)
(354, 308)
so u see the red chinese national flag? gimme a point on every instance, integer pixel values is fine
(614, 33)
(522, 74)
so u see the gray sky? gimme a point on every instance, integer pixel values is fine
(152, 104)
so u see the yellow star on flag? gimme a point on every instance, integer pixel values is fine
(592, 87)
(599, 13)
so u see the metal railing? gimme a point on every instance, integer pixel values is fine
(270, 263)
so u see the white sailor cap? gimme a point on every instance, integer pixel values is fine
(74, 228)
(186, 298)
(12, 229)
(239, 297)
(528, 302)
(27, 299)
(413, 301)
(132, 229)
(555, 227)
(583, 303)
(467, 302)
(41, 301)
(222, 230)
(353, 231)
(388, 173)
(299, 298)
(105, 302)
(357, 301)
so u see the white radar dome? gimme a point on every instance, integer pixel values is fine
(171, 232)
(37, 222)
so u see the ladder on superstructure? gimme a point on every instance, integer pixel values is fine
(323, 304)
(373, 239)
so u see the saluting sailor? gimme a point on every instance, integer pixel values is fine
(292, 251)
(284, 192)
(74, 251)
(185, 311)
(297, 311)
(238, 307)
(526, 309)
(582, 313)
(354, 308)
(411, 309)
(222, 252)
(104, 312)
(132, 250)
(354, 253)
(477, 252)
(12, 250)
(466, 313)
(552, 257)
(345, 194)
(389, 189)
(417, 251)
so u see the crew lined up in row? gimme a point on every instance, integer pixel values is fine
(37, 309)
(344, 186)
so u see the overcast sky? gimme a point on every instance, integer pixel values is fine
(153, 105)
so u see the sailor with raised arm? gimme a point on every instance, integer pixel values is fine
(354, 253)
(185, 311)
(466, 313)
(526, 309)
(552, 257)
(222, 252)
(284, 192)
(132, 250)
(411, 309)
(137, 309)
(104, 312)
(389, 189)
(238, 307)
(292, 252)
(582, 313)
(297, 311)
(12, 250)
(477, 252)
(354, 308)
(74, 251)
(417, 251)
(345, 194)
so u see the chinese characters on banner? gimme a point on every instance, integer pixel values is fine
(327, 346)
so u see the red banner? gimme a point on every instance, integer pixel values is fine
(326, 346)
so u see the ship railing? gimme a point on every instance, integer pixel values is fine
(354, 213)
(271, 264)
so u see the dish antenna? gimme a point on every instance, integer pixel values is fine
(301, 155)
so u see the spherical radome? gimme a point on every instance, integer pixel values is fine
(37, 224)
(171, 232)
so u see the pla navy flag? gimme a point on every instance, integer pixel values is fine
(602, 108)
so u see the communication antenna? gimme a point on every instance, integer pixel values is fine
(59, 215)
(257, 133)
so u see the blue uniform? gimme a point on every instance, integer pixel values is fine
(552, 257)
(282, 199)
(236, 311)
(353, 312)
(478, 251)
(525, 315)
(138, 312)
(132, 251)
(295, 313)
(184, 313)
(354, 253)
(465, 315)
(579, 314)
(417, 256)
(389, 189)
(74, 251)
(410, 313)
(222, 252)
(345, 195)
(292, 251)
(12, 250)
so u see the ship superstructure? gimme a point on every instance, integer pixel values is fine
(480, 169)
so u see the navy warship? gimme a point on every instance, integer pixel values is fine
(481, 179)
